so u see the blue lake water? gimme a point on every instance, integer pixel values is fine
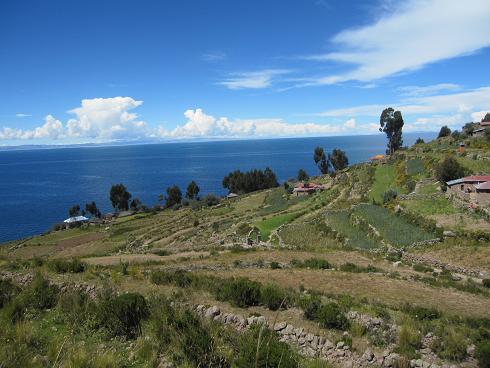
(38, 186)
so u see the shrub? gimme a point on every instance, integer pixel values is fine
(316, 263)
(273, 297)
(122, 315)
(210, 200)
(451, 345)
(261, 348)
(240, 292)
(39, 295)
(449, 169)
(483, 354)
(331, 316)
(422, 268)
(311, 306)
(422, 313)
(486, 283)
(64, 266)
(275, 265)
(409, 340)
(389, 195)
(161, 252)
(180, 278)
(7, 292)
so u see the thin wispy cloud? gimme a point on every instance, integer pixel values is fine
(20, 115)
(253, 80)
(412, 36)
(415, 91)
(213, 56)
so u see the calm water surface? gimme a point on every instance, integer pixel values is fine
(38, 186)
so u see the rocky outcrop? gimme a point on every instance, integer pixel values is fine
(339, 353)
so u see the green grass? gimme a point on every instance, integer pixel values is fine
(436, 206)
(357, 238)
(268, 225)
(394, 229)
(415, 166)
(277, 200)
(384, 179)
(429, 189)
(307, 235)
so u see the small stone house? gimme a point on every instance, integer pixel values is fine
(474, 188)
(303, 189)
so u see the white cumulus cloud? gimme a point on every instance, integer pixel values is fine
(95, 119)
(201, 125)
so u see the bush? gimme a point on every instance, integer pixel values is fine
(273, 297)
(240, 292)
(331, 316)
(210, 200)
(180, 278)
(422, 313)
(483, 354)
(275, 265)
(310, 306)
(409, 340)
(261, 348)
(193, 341)
(7, 292)
(389, 195)
(122, 315)
(486, 283)
(64, 266)
(422, 268)
(39, 295)
(316, 263)
(449, 169)
(451, 345)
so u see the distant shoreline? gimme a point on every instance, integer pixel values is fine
(30, 147)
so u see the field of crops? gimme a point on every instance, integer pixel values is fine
(435, 206)
(278, 200)
(268, 225)
(384, 179)
(394, 229)
(357, 238)
(305, 236)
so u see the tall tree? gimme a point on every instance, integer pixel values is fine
(338, 159)
(74, 210)
(92, 209)
(391, 122)
(444, 132)
(302, 175)
(321, 160)
(174, 196)
(119, 197)
(192, 190)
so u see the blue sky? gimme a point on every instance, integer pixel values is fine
(97, 71)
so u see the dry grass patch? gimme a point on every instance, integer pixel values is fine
(466, 256)
(141, 258)
(373, 287)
